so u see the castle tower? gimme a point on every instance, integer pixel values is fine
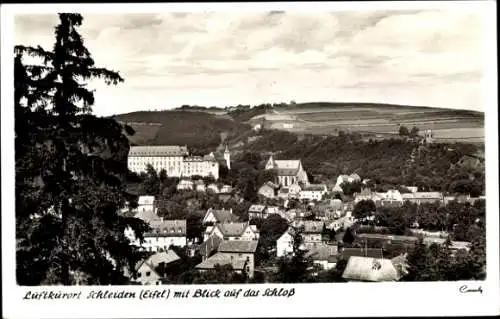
(227, 157)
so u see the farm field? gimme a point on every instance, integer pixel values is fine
(378, 119)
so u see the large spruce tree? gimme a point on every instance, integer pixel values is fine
(70, 169)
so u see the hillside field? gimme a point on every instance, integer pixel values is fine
(376, 119)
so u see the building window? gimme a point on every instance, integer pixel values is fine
(148, 273)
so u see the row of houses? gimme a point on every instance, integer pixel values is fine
(200, 186)
(395, 197)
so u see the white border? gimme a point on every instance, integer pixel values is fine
(319, 300)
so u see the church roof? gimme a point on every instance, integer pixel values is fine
(286, 171)
(286, 164)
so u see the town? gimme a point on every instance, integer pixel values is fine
(290, 216)
(298, 192)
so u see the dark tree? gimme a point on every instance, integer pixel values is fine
(294, 267)
(70, 170)
(414, 131)
(403, 131)
(348, 236)
(364, 208)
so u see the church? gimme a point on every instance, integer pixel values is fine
(288, 172)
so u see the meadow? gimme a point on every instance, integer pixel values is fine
(376, 119)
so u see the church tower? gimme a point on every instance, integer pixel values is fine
(227, 157)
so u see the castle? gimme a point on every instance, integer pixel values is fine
(175, 160)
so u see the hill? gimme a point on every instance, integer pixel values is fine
(373, 120)
(200, 131)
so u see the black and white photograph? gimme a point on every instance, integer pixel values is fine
(244, 155)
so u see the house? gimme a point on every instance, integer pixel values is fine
(145, 203)
(311, 232)
(313, 192)
(237, 253)
(348, 179)
(391, 197)
(288, 171)
(268, 190)
(324, 255)
(423, 197)
(232, 231)
(226, 189)
(213, 188)
(147, 216)
(412, 189)
(332, 209)
(367, 194)
(271, 210)
(185, 185)
(343, 222)
(284, 193)
(216, 216)
(257, 211)
(368, 269)
(294, 190)
(284, 244)
(163, 234)
(200, 186)
(147, 273)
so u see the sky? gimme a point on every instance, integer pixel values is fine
(418, 57)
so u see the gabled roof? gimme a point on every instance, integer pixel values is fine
(257, 208)
(223, 216)
(287, 164)
(238, 246)
(167, 228)
(145, 200)
(286, 171)
(147, 215)
(370, 269)
(324, 252)
(232, 229)
(164, 150)
(355, 176)
(210, 245)
(315, 187)
(154, 260)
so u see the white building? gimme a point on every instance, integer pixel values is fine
(232, 231)
(174, 159)
(284, 245)
(313, 192)
(164, 233)
(348, 179)
(145, 203)
(185, 185)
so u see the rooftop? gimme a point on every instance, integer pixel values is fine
(370, 269)
(257, 208)
(222, 259)
(167, 228)
(232, 229)
(315, 187)
(238, 246)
